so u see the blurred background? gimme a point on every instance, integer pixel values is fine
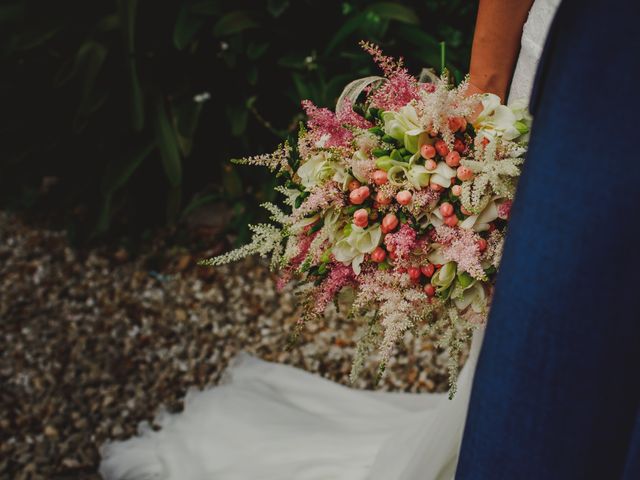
(119, 121)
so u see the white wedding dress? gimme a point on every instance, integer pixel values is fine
(269, 421)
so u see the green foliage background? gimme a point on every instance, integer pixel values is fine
(100, 129)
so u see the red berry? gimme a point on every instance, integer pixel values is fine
(453, 159)
(389, 223)
(404, 197)
(378, 255)
(442, 148)
(361, 218)
(446, 209)
(428, 269)
(414, 273)
(380, 177)
(464, 173)
(451, 221)
(382, 199)
(427, 151)
(482, 244)
(430, 290)
(459, 146)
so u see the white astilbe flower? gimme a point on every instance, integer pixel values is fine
(495, 246)
(291, 250)
(266, 240)
(278, 160)
(315, 249)
(277, 215)
(442, 102)
(400, 306)
(290, 194)
(495, 170)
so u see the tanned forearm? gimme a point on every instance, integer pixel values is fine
(496, 44)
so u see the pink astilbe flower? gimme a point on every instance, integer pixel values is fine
(362, 168)
(461, 246)
(402, 242)
(347, 116)
(495, 246)
(400, 305)
(320, 199)
(303, 244)
(504, 209)
(400, 88)
(340, 275)
(329, 128)
(423, 198)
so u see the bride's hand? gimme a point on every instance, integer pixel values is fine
(473, 89)
(496, 43)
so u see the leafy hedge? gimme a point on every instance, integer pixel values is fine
(100, 127)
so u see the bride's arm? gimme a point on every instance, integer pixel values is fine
(496, 44)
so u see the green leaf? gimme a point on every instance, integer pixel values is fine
(187, 115)
(92, 55)
(167, 144)
(395, 11)
(464, 279)
(108, 23)
(522, 127)
(187, 27)
(34, 38)
(417, 37)
(174, 199)
(200, 201)
(231, 182)
(238, 117)
(127, 13)
(277, 7)
(116, 175)
(344, 31)
(12, 12)
(234, 22)
(120, 170)
(206, 7)
(252, 75)
(256, 50)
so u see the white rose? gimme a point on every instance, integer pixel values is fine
(358, 242)
(403, 125)
(481, 221)
(316, 170)
(474, 296)
(497, 119)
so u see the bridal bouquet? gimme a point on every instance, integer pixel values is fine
(400, 198)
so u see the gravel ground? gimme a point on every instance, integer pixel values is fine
(94, 342)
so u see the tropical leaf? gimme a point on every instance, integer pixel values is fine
(187, 27)
(234, 22)
(395, 11)
(277, 7)
(205, 7)
(346, 29)
(167, 143)
(119, 171)
(127, 13)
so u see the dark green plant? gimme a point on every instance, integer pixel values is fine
(100, 126)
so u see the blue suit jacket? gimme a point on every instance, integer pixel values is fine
(557, 388)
